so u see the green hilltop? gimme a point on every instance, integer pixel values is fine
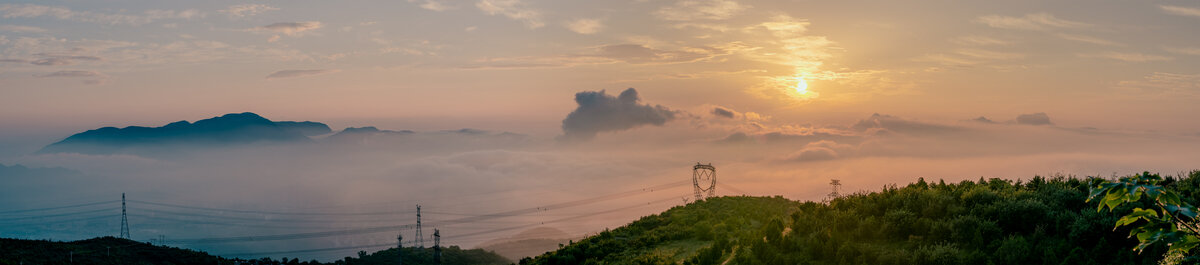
(993, 221)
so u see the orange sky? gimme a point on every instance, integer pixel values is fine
(895, 90)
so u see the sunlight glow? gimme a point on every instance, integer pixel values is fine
(802, 86)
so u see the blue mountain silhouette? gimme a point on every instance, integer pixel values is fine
(228, 129)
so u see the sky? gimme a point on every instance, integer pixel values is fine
(780, 96)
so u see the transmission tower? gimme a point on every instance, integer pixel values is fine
(837, 190)
(437, 246)
(704, 178)
(399, 249)
(420, 238)
(124, 219)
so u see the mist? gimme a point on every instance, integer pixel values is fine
(360, 190)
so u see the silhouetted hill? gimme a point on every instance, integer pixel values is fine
(98, 251)
(528, 243)
(361, 135)
(995, 221)
(226, 130)
(110, 250)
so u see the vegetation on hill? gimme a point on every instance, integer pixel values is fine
(1039, 221)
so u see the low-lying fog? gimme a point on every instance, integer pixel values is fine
(616, 159)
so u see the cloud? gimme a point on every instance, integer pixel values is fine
(881, 123)
(239, 11)
(606, 54)
(14, 61)
(513, 9)
(292, 28)
(1184, 50)
(1132, 57)
(1179, 10)
(585, 26)
(70, 73)
(99, 77)
(1036, 21)
(52, 59)
(980, 41)
(1039, 118)
(722, 112)
(983, 119)
(1089, 39)
(820, 150)
(599, 112)
(435, 5)
(299, 73)
(62, 13)
(23, 29)
(689, 10)
(1166, 82)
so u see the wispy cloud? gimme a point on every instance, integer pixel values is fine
(585, 26)
(1184, 50)
(288, 29)
(94, 78)
(62, 13)
(1182, 11)
(70, 73)
(299, 73)
(24, 29)
(513, 9)
(1132, 57)
(1036, 21)
(688, 10)
(1089, 39)
(292, 28)
(435, 5)
(61, 59)
(239, 11)
(980, 41)
(1166, 82)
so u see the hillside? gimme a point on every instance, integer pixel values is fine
(110, 250)
(228, 129)
(1039, 221)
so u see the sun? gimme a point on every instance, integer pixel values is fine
(801, 86)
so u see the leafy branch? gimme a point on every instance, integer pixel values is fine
(1171, 220)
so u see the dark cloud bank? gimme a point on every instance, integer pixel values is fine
(599, 112)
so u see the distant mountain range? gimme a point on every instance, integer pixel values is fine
(240, 129)
(229, 129)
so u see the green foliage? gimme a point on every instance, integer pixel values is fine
(1166, 218)
(990, 221)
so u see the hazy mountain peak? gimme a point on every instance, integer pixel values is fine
(224, 130)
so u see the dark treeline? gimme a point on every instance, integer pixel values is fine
(116, 251)
(989, 221)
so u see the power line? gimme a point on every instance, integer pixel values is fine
(59, 207)
(448, 222)
(465, 235)
(259, 219)
(269, 212)
(57, 215)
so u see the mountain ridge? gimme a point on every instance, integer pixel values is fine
(228, 129)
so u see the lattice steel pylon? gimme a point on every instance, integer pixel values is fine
(400, 249)
(837, 190)
(420, 238)
(437, 246)
(704, 179)
(124, 219)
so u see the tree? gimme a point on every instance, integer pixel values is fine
(1169, 219)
